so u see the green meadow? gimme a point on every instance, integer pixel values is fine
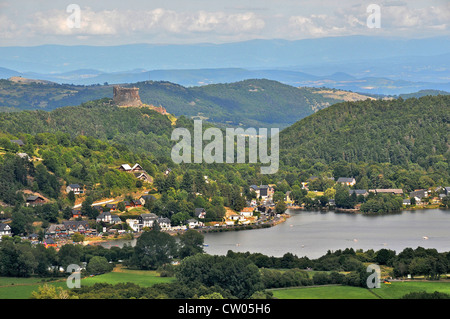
(21, 288)
(395, 290)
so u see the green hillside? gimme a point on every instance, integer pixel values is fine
(383, 144)
(397, 131)
(139, 129)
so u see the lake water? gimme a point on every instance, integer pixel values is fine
(312, 234)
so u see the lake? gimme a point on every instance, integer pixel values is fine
(312, 234)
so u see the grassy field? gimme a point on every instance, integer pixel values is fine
(21, 288)
(325, 292)
(141, 277)
(395, 290)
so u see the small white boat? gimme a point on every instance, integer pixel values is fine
(425, 237)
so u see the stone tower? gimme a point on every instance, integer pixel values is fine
(126, 96)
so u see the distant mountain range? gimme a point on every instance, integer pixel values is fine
(199, 77)
(363, 64)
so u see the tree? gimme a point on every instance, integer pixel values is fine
(98, 265)
(191, 243)
(384, 256)
(20, 223)
(179, 218)
(87, 209)
(69, 254)
(153, 249)
(51, 292)
(280, 207)
(342, 197)
(237, 275)
(77, 237)
(71, 197)
(121, 206)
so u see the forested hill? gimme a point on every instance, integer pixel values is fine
(396, 132)
(251, 103)
(139, 129)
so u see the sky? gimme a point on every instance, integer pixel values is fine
(113, 22)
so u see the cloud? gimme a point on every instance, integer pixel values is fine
(8, 29)
(396, 19)
(237, 21)
(120, 22)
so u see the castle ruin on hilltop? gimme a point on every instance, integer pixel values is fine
(126, 96)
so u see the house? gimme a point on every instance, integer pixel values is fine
(132, 203)
(56, 230)
(81, 227)
(115, 219)
(5, 230)
(393, 191)
(349, 181)
(358, 192)
(137, 168)
(164, 223)
(18, 142)
(146, 220)
(75, 188)
(136, 203)
(134, 224)
(35, 200)
(127, 204)
(167, 171)
(125, 168)
(419, 194)
(192, 223)
(76, 213)
(111, 206)
(104, 217)
(246, 213)
(407, 202)
(143, 176)
(266, 191)
(200, 213)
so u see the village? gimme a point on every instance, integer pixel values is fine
(112, 220)
(118, 219)
(128, 216)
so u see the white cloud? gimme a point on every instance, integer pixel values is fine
(177, 22)
(396, 19)
(118, 22)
